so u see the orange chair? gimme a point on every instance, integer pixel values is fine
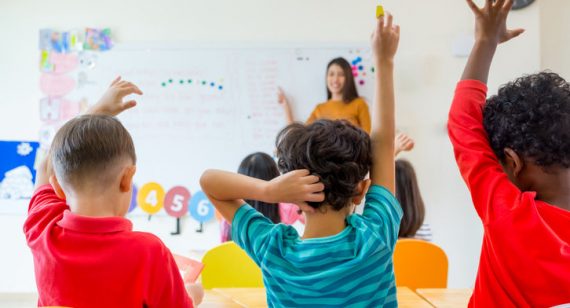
(420, 264)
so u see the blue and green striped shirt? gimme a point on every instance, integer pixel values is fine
(350, 269)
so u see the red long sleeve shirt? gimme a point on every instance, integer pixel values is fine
(525, 257)
(98, 262)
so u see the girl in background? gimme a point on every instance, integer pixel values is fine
(262, 166)
(342, 102)
(408, 194)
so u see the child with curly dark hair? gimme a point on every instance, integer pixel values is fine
(513, 151)
(342, 259)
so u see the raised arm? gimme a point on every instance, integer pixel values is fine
(384, 44)
(490, 187)
(282, 99)
(111, 103)
(227, 190)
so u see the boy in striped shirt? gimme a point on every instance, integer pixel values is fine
(342, 259)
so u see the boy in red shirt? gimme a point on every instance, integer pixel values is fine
(85, 252)
(513, 151)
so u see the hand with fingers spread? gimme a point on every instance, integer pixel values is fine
(490, 31)
(385, 39)
(403, 143)
(297, 187)
(111, 103)
(491, 21)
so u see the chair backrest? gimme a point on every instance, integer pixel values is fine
(420, 264)
(228, 266)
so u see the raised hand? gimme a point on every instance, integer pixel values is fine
(385, 39)
(403, 143)
(491, 21)
(111, 103)
(490, 31)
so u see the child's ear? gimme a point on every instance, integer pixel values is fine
(362, 189)
(127, 178)
(56, 187)
(513, 161)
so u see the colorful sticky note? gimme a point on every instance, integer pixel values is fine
(64, 62)
(49, 109)
(56, 85)
(98, 39)
(45, 63)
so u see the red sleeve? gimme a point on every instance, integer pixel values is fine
(44, 210)
(166, 286)
(492, 193)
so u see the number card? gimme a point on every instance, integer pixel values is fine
(151, 197)
(176, 201)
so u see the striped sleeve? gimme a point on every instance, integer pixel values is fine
(252, 231)
(424, 233)
(383, 212)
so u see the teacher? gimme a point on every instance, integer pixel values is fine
(343, 102)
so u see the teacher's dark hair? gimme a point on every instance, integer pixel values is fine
(349, 92)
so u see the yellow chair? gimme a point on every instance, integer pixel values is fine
(228, 266)
(420, 264)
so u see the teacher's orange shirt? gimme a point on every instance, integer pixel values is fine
(356, 112)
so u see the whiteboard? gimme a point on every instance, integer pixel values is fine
(208, 107)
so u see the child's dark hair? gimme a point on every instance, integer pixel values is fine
(336, 151)
(408, 194)
(349, 92)
(87, 146)
(531, 115)
(261, 166)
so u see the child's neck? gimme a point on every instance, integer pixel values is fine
(554, 188)
(323, 224)
(95, 205)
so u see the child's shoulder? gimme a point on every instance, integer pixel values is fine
(146, 241)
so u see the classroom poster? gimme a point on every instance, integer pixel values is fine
(17, 171)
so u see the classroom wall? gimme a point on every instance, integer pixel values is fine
(555, 36)
(426, 67)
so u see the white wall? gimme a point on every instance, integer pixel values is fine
(555, 37)
(427, 73)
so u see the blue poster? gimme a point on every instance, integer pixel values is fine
(17, 172)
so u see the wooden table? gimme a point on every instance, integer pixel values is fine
(408, 299)
(245, 297)
(216, 299)
(446, 297)
(256, 297)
